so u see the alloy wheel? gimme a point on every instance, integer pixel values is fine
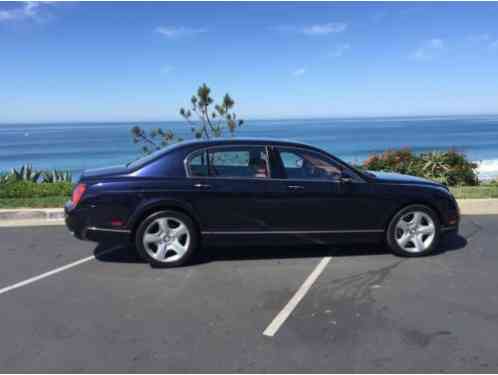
(166, 239)
(415, 231)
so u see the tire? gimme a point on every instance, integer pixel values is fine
(166, 239)
(414, 231)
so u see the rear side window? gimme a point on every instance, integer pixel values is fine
(238, 162)
(198, 165)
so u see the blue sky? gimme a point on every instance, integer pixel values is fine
(142, 61)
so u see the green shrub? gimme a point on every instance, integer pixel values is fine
(448, 167)
(56, 176)
(4, 177)
(26, 173)
(29, 189)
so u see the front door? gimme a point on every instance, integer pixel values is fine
(310, 194)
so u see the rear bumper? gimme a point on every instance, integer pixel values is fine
(77, 223)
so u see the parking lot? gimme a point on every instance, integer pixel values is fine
(63, 309)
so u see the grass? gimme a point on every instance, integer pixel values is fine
(475, 192)
(42, 202)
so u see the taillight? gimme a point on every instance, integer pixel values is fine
(78, 192)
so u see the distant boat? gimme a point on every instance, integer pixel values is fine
(26, 134)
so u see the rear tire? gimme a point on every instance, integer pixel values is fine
(166, 239)
(414, 231)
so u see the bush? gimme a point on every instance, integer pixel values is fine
(449, 167)
(29, 189)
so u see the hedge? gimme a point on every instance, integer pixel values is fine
(28, 189)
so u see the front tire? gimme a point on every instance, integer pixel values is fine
(414, 231)
(166, 239)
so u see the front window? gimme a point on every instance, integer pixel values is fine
(302, 164)
(240, 162)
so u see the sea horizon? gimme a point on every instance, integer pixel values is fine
(91, 144)
(257, 118)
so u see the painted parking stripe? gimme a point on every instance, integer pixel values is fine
(282, 316)
(53, 272)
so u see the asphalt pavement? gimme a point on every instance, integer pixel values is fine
(74, 306)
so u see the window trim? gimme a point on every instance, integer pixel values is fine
(191, 155)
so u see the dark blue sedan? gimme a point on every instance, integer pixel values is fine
(255, 191)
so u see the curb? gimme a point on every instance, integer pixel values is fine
(31, 214)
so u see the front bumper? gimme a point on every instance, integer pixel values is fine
(77, 221)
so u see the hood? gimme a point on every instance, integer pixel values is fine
(105, 172)
(389, 177)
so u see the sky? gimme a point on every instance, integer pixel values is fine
(143, 61)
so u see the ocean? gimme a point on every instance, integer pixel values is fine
(79, 146)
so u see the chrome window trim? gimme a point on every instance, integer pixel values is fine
(205, 149)
(270, 178)
(295, 231)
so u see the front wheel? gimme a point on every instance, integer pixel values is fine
(414, 231)
(166, 239)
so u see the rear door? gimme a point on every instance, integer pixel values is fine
(231, 187)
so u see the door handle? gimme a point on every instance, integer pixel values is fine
(295, 187)
(202, 186)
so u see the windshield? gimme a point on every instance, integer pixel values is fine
(144, 160)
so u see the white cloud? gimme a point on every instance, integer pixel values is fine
(29, 10)
(340, 49)
(298, 72)
(429, 49)
(312, 30)
(324, 29)
(178, 31)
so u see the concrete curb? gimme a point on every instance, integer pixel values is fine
(55, 216)
(32, 214)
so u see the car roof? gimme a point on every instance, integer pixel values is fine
(193, 144)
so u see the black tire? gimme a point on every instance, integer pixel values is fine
(391, 231)
(192, 245)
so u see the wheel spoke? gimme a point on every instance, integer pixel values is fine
(426, 229)
(177, 247)
(161, 251)
(152, 238)
(417, 218)
(179, 231)
(403, 225)
(163, 225)
(404, 239)
(419, 244)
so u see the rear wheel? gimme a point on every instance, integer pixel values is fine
(414, 231)
(166, 239)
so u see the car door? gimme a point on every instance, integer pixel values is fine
(309, 193)
(231, 185)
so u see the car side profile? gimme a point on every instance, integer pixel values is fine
(255, 191)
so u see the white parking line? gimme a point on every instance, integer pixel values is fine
(53, 272)
(282, 316)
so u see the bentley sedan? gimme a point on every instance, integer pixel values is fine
(255, 191)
